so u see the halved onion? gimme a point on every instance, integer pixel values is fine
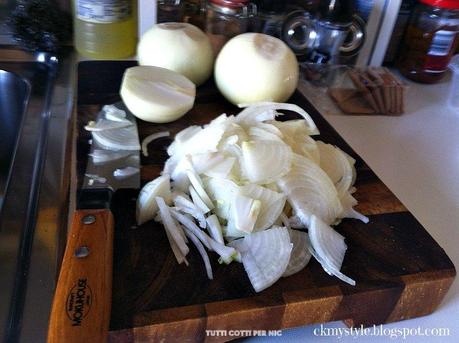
(157, 95)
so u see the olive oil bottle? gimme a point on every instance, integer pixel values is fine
(105, 29)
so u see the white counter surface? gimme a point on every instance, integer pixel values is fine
(417, 157)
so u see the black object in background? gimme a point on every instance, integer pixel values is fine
(39, 25)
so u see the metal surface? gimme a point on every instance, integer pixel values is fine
(100, 175)
(33, 218)
(14, 94)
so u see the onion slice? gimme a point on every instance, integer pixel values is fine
(265, 256)
(202, 252)
(310, 191)
(187, 206)
(328, 248)
(104, 124)
(252, 111)
(300, 255)
(146, 207)
(266, 161)
(150, 138)
(125, 138)
(271, 204)
(174, 230)
(214, 228)
(196, 182)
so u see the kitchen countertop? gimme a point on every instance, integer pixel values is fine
(417, 157)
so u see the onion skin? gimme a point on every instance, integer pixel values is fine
(254, 67)
(180, 47)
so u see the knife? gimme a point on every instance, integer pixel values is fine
(82, 301)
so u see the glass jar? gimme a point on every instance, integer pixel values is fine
(226, 19)
(170, 11)
(430, 40)
(105, 29)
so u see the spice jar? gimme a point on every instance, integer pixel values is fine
(226, 19)
(430, 40)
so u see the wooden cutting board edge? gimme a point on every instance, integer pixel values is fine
(411, 296)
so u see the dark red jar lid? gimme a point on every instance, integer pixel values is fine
(230, 3)
(449, 4)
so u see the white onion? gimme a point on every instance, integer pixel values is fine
(239, 171)
(174, 230)
(198, 201)
(244, 214)
(300, 255)
(156, 94)
(227, 253)
(328, 248)
(265, 256)
(214, 228)
(310, 191)
(147, 208)
(222, 193)
(255, 67)
(195, 180)
(125, 138)
(150, 138)
(337, 165)
(271, 204)
(266, 161)
(180, 47)
(104, 124)
(114, 113)
(187, 206)
(202, 252)
(101, 156)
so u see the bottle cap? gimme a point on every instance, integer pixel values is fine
(448, 4)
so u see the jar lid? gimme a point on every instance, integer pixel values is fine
(230, 3)
(449, 4)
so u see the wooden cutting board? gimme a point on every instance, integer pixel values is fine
(401, 272)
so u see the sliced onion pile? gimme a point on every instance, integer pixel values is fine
(243, 185)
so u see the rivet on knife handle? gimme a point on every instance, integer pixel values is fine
(81, 306)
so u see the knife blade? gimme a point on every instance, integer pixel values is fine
(82, 300)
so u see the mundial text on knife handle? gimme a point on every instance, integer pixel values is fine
(82, 301)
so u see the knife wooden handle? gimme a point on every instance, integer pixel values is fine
(82, 301)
